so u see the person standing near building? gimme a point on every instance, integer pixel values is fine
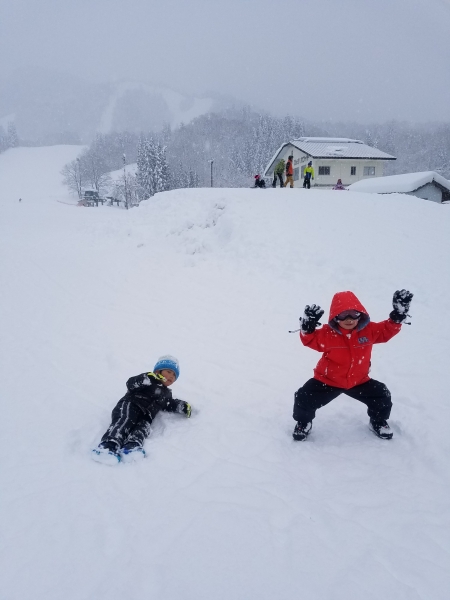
(309, 174)
(289, 172)
(278, 173)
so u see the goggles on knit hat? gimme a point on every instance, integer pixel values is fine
(168, 362)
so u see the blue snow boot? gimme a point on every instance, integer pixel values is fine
(132, 454)
(105, 456)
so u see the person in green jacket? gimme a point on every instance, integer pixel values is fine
(309, 174)
(278, 172)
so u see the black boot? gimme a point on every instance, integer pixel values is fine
(301, 431)
(381, 429)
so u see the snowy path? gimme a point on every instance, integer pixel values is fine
(227, 506)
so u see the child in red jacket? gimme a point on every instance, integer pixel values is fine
(346, 343)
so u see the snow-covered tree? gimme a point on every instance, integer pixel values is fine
(12, 137)
(3, 140)
(127, 189)
(94, 166)
(73, 177)
(161, 175)
(146, 167)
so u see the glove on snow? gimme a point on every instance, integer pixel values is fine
(185, 408)
(401, 303)
(311, 318)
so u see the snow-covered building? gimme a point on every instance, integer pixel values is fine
(332, 159)
(428, 185)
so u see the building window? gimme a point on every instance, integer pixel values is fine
(324, 170)
(352, 170)
(369, 171)
(296, 171)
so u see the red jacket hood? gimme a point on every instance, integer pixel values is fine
(346, 301)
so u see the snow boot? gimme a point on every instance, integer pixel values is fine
(132, 454)
(381, 429)
(301, 431)
(105, 456)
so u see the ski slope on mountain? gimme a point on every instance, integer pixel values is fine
(227, 505)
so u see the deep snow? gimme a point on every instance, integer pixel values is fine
(226, 506)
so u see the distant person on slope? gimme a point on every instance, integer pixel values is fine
(259, 182)
(346, 343)
(339, 185)
(309, 174)
(278, 173)
(131, 418)
(289, 172)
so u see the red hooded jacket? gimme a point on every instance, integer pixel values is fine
(346, 354)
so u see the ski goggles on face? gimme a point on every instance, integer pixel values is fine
(348, 314)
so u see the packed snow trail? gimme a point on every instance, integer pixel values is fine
(226, 505)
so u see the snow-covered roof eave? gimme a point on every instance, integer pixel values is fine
(274, 158)
(404, 183)
(330, 156)
(317, 153)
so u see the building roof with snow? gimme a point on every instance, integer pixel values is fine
(402, 184)
(344, 148)
(407, 183)
(318, 147)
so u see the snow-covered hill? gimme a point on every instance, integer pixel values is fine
(227, 505)
(55, 106)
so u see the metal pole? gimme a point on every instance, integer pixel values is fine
(211, 162)
(125, 180)
(78, 178)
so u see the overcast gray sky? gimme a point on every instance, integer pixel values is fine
(324, 59)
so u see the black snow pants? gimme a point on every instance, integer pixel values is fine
(315, 394)
(307, 182)
(130, 426)
(274, 183)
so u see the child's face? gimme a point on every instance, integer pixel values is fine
(349, 323)
(169, 376)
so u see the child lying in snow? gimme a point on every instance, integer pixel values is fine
(346, 343)
(131, 418)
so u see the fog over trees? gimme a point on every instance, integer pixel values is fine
(241, 142)
(239, 139)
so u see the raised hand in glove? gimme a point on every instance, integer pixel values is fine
(311, 318)
(401, 303)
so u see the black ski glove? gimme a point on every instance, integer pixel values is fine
(184, 407)
(401, 303)
(311, 318)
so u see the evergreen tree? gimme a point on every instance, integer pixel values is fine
(3, 140)
(12, 137)
(161, 171)
(146, 174)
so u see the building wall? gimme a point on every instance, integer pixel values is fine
(339, 168)
(428, 192)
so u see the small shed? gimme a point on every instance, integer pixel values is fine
(332, 158)
(428, 185)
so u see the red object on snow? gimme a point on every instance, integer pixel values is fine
(347, 353)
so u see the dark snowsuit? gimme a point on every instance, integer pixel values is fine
(132, 416)
(309, 174)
